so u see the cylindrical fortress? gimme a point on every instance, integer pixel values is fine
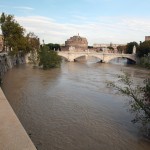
(77, 42)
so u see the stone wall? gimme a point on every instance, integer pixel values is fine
(1, 42)
(147, 38)
(12, 134)
(7, 62)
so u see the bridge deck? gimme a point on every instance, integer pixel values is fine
(105, 57)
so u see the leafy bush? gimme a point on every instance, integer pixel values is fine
(48, 59)
(145, 61)
(139, 99)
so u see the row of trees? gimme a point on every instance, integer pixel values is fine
(54, 47)
(142, 49)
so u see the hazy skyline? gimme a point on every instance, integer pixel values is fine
(100, 21)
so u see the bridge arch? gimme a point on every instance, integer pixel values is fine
(97, 56)
(63, 55)
(109, 58)
(91, 55)
(82, 55)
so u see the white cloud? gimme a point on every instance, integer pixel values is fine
(116, 30)
(23, 8)
(17, 7)
(141, 25)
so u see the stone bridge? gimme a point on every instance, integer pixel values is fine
(104, 57)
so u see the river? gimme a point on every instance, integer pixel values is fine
(70, 108)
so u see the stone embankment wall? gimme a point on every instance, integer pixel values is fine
(12, 134)
(7, 62)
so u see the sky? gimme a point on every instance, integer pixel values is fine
(100, 21)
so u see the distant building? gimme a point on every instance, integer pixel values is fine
(76, 42)
(1, 42)
(147, 38)
(104, 47)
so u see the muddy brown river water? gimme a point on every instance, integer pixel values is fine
(70, 108)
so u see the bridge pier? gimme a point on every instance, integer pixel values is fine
(86, 57)
(70, 59)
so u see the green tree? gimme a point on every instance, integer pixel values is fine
(121, 48)
(33, 42)
(145, 61)
(143, 49)
(13, 34)
(129, 47)
(111, 48)
(48, 59)
(2, 20)
(139, 102)
(32, 46)
(57, 47)
(53, 46)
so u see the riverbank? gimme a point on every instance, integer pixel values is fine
(13, 135)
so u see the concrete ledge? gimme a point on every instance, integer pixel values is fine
(12, 134)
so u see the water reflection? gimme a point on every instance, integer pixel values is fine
(119, 61)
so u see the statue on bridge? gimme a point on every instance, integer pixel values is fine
(134, 50)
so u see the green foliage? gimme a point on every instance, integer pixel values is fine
(145, 61)
(143, 49)
(48, 59)
(139, 98)
(129, 47)
(14, 38)
(32, 42)
(13, 33)
(121, 48)
(2, 18)
(90, 47)
(110, 48)
(52, 46)
(32, 46)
